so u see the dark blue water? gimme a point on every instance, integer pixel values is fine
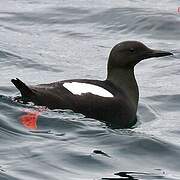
(50, 40)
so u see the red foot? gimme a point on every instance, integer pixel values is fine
(30, 120)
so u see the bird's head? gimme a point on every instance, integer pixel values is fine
(128, 53)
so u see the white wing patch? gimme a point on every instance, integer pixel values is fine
(80, 88)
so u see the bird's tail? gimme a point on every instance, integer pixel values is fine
(25, 91)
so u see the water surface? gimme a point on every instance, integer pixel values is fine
(44, 41)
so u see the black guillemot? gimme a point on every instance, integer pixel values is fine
(113, 101)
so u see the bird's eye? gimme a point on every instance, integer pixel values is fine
(131, 50)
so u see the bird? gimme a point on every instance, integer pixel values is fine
(113, 101)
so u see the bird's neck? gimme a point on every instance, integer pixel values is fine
(125, 80)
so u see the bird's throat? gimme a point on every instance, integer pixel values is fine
(125, 80)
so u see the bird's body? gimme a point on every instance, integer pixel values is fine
(107, 109)
(113, 101)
